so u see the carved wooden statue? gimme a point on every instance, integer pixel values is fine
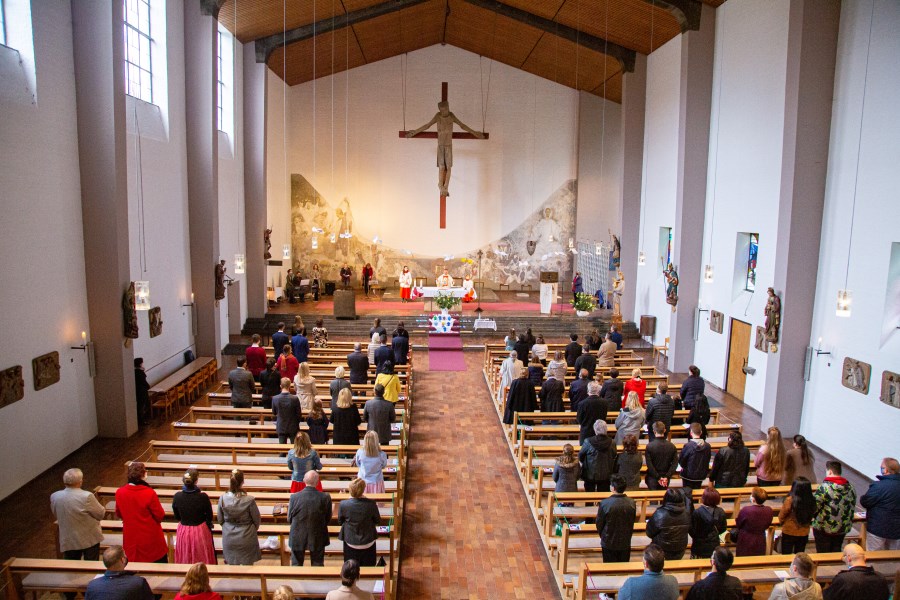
(220, 281)
(129, 313)
(671, 276)
(773, 318)
(267, 238)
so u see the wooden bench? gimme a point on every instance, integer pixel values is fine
(261, 432)
(200, 414)
(41, 575)
(594, 578)
(224, 399)
(183, 384)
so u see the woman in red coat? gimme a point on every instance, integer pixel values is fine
(637, 385)
(141, 513)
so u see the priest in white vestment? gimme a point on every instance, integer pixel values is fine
(445, 280)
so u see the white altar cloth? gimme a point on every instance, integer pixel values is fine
(432, 291)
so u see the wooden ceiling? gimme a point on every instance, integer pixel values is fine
(535, 42)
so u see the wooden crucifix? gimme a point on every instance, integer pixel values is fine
(444, 119)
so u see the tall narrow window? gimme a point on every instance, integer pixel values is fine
(221, 91)
(2, 24)
(752, 253)
(138, 64)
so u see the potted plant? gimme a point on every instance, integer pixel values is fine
(445, 302)
(583, 304)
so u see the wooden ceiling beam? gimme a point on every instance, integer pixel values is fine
(686, 12)
(265, 46)
(625, 56)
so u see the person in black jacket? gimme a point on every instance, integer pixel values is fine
(400, 345)
(286, 407)
(670, 524)
(694, 459)
(359, 518)
(359, 365)
(731, 464)
(691, 387)
(401, 331)
(662, 459)
(551, 394)
(573, 350)
(707, 523)
(578, 390)
(383, 353)
(615, 522)
(860, 581)
(612, 391)
(589, 411)
(521, 348)
(521, 397)
(141, 392)
(718, 585)
(661, 407)
(270, 383)
(586, 361)
(598, 459)
(700, 413)
(279, 339)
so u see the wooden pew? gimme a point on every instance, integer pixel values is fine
(368, 388)
(595, 578)
(42, 575)
(224, 399)
(261, 432)
(184, 383)
(197, 414)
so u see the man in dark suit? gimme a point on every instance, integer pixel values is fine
(117, 583)
(589, 410)
(616, 337)
(287, 411)
(300, 346)
(573, 350)
(359, 365)
(383, 353)
(279, 339)
(400, 347)
(242, 385)
(615, 522)
(586, 361)
(379, 414)
(309, 512)
(578, 390)
(612, 390)
(401, 330)
(718, 585)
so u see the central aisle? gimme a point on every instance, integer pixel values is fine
(467, 531)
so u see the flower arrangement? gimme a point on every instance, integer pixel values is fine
(583, 302)
(445, 301)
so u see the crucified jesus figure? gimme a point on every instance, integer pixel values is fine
(445, 120)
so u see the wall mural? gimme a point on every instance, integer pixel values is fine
(323, 233)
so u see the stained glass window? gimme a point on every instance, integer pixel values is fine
(752, 252)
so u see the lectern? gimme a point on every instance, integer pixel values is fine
(549, 285)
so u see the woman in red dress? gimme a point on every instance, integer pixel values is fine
(141, 513)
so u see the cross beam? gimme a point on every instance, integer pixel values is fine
(686, 12)
(265, 46)
(624, 55)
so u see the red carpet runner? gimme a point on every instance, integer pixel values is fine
(445, 352)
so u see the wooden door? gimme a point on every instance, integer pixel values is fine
(738, 354)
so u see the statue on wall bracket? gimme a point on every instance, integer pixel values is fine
(220, 281)
(267, 239)
(773, 319)
(129, 313)
(671, 276)
(615, 253)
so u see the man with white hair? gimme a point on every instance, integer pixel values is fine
(598, 459)
(337, 384)
(510, 369)
(78, 514)
(859, 580)
(589, 411)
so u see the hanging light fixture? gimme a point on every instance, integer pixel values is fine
(286, 252)
(142, 295)
(239, 264)
(844, 300)
(708, 269)
(708, 274)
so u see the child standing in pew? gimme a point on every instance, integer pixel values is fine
(567, 470)
(318, 424)
(301, 459)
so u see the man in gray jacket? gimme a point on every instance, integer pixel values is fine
(798, 586)
(379, 414)
(309, 512)
(78, 514)
(242, 385)
(653, 583)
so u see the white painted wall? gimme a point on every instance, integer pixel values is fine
(157, 205)
(599, 168)
(660, 169)
(874, 229)
(495, 184)
(744, 176)
(44, 298)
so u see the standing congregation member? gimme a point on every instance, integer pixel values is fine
(540, 349)
(586, 361)
(530, 339)
(300, 346)
(616, 337)
(345, 420)
(320, 334)
(629, 462)
(770, 459)
(798, 585)
(337, 384)
(796, 516)
(670, 524)
(635, 384)
(753, 523)
(509, 341)
(117, 583)
(578, 390)
(359, 365)
(377, 328)
(510, 370)
(612, 390)
(630, 419)
(287, 363)
(536, 371)
(882, 503)
(615, 522)
(606, 354)
(309, 512)
(566, 470)
(142, 392)
(196, 585)
(400, 331)
(193, 509)
(835, 503)
(731, 466)
(694, 459)
(78, 514)
(700, 413)
(400, 345)
(521, 397)
(141, 513)
(256, 356)
(799, 462)
(286, 408)
(662, 459)
(573, 350)
(279, 339)
(371, 460)
(305, 386)
(359, 518)
(661, 407)
(594, 340)
(859, 581)
(383, 353)
(378, 414)
(317, 423)
(718, 585)
(302, 459)
(707, 524)
(551, 394)
(557, 367)
(242, 385)
(269, 383)
(653, 584)
(598, 459)
(368, 273)
(691, 387)
(391, 382)
(521, 348)
(239, 517)
(348, 589)
(374, 344)
(589, 411)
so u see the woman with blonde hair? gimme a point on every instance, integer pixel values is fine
(630, 419)
(358, 517)
(345, 420)
(567, 470)
(305, 387)
(770, 459)
(301, 459)
(371, 461)
(239, 517)
(283, 592)
(196, 585)
(193, 509)
(635, 384)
